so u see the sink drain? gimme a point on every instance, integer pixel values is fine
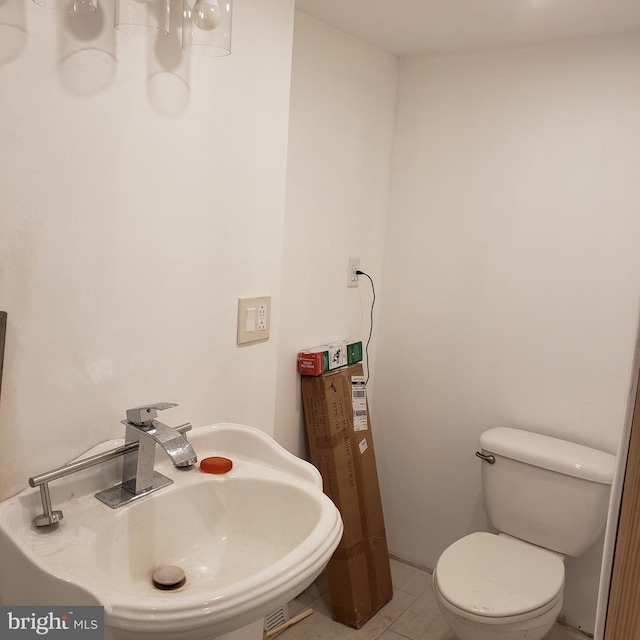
(168, 577)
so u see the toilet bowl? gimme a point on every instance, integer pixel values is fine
(548, 498)
(494, 587)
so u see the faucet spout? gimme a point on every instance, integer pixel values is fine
(175, 444)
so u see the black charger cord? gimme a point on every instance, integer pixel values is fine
(373, 302)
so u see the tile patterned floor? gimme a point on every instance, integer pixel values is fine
(412, 614)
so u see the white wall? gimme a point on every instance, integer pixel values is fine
(511, 275)
(340, 136)
(142, 192)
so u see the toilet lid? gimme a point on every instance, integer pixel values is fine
(498, 576)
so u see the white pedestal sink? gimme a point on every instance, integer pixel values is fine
(248, 540)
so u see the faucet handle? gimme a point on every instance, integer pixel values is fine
(143, 416)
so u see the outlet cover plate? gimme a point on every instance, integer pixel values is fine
(352, 276)
(258, 310)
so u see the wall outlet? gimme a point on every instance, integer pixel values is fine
(352, 276)
(254, 319)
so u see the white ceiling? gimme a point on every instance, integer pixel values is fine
(415, 27)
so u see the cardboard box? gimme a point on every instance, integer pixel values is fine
(341, 447)
(327, 357)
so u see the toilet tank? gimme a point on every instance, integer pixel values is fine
(547, 491)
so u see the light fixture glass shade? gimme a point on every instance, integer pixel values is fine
(206, 27)
(142, 17)
(70, 6)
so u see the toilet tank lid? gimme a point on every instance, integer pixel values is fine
(550, 453)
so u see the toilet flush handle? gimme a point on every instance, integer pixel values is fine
(486, 457)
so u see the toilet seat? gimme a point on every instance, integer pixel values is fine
(551, 610)
(494, 576)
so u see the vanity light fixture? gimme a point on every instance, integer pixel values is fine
(206, 24)
(206, 27)
(70, 6)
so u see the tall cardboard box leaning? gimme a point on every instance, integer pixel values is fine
(341, 447)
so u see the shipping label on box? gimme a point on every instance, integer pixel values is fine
(359, 403)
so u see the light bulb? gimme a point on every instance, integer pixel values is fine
(206, 15)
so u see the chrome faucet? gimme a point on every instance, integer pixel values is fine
(137, 471)
(138, 475)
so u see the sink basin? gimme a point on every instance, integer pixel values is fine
(248, 541)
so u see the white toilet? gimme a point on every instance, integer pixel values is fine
(549, 499)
